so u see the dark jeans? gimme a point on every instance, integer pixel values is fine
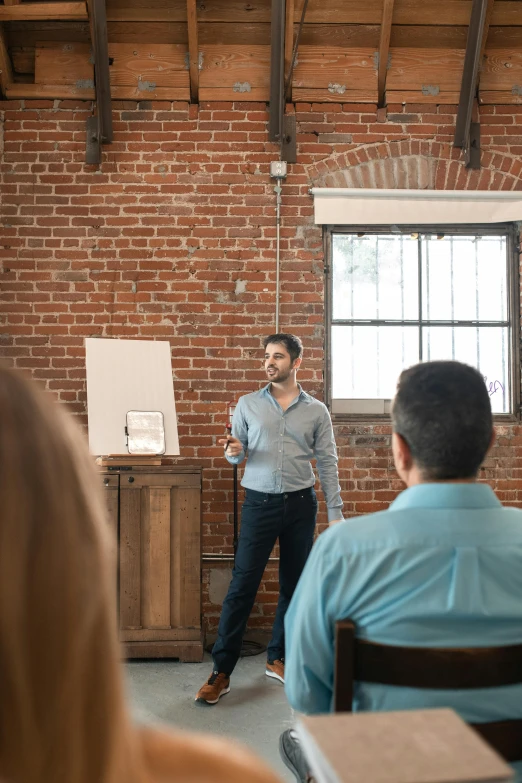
(265, 518)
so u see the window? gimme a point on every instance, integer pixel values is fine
(397, 297)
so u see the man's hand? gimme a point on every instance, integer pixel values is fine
(233, 447)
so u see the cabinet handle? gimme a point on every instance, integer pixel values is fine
(131, 479)
(106, 482)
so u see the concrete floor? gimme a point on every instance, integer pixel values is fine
(255, 711)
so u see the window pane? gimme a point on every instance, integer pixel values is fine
(374, 277)
(486, 348)
(492, 279)
(367, 360)
(464, 278)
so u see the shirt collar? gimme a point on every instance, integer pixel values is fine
(443, 495)
(302, 394)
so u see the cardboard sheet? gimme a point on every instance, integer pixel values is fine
(125, 375)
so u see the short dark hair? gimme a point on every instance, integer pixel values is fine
(293, 344)
(443, 412)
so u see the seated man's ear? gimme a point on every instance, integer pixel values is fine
(401, 454)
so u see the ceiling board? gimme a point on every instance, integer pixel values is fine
(336, 69)
(414, 69)
(63, 62)
(239, 69)
(501, 70)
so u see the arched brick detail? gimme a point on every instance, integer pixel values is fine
(416, 165)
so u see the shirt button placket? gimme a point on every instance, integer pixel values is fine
(280, 465)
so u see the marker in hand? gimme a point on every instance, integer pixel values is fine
(232, 446)
(225, 447)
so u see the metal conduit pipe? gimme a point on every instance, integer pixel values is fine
(277, 191)
(212, 557)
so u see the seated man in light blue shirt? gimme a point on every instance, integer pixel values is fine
(442, 567)
(282, 428)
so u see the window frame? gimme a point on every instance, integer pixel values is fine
(509, 230)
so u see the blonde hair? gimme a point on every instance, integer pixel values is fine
(62, 711)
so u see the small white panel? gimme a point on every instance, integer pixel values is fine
(377, 407)
(122, 376)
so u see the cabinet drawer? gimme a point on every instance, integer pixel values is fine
(137, 480)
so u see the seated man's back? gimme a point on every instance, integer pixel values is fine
(441, 568)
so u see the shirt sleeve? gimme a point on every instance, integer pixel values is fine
(239, 431)
(325, 451)
(309, 633)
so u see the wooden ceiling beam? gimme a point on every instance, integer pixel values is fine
(384, 49)
(6, 70)
(277, 70)
(224, 33)
(193, 47)
(102, 81)
(470, 72)
(485, 33)
(447, 13)
(43, 11)
(99, 127)
(122, 93)
(289, 36)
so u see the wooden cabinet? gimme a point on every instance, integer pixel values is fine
(156, 513)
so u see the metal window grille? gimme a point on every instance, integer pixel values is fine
(399, 296)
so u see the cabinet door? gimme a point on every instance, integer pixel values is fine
(160, 583)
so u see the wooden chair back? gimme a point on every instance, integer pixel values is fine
(357, 660)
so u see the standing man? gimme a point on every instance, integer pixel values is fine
(282, 428)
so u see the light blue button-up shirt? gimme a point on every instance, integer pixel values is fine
(442, 567)
(280, 445)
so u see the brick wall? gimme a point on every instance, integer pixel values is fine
(173, 237)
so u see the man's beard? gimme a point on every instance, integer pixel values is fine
(280, 376)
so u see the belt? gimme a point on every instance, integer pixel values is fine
(304, 491)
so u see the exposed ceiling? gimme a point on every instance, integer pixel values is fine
(354, 51)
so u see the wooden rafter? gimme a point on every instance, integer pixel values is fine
(384, 48)
(277, 70)
(289, 40)
(43, 11)
(99, 127)
(487, 22)
(292, 53)
(6, 71)
(192, 30)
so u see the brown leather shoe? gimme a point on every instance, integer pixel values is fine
(215, 687)
(276, 669)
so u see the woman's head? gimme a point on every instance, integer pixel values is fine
(61, 707)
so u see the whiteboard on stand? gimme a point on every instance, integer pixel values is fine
(122, 376)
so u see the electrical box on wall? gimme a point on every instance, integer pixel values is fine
(278, 169)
